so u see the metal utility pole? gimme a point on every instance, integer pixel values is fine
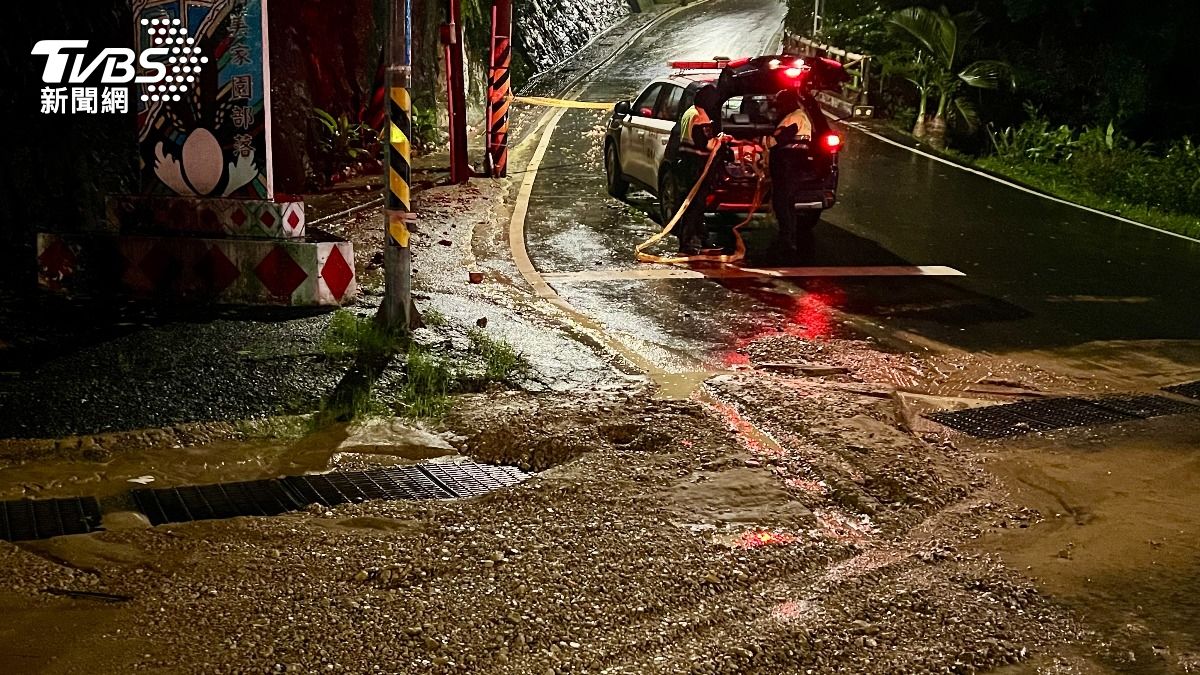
(818, 7)
(499, 89)
(398, 311)
(452, 37)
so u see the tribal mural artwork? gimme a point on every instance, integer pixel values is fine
(206, 133)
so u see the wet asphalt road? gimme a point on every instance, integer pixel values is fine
(1039, 275)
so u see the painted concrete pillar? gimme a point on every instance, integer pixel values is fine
(208, 223)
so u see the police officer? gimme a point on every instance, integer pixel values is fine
(698, 137)
(787, 162)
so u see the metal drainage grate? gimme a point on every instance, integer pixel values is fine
(1014, 419)
(273, 497)
(1145, 406)
(227, 500)
(29, 519)
(1190, 390)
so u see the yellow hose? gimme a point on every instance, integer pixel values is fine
(739, 252)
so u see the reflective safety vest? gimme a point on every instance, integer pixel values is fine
(686, 124)
(798, 117)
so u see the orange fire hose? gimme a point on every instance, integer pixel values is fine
(739, 252)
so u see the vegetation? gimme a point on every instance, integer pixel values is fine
(430, 378)
(1104, 169)
(1101, 115)
(432, 318)
(344, 148)
(933, 66)
(349, 336)
(501, 362)
(427, 387)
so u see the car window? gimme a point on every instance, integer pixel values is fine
(668, 104)
(749, 110)
(644, 107)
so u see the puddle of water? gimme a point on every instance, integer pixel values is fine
(1120, 539)
(679, 386)
(225, 461)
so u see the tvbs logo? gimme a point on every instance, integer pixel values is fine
(167, 68)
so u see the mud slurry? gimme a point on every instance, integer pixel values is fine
(658, 537)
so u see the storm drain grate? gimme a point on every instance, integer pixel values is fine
(1146, 406)
(463, 481)
(226, 500)
(1024, 417)
(1190, 390)
(273, 497)
(29, 519)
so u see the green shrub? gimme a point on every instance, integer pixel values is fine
(501, 360)
(348, 336)
(428, 382)
(1101, 166)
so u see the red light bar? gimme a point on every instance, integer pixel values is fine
(715, 64)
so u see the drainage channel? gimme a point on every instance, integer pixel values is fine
(26, 520)
(1049, 414)
(1190, 390)
(44, 518)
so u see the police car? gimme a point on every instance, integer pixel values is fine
(641, 143)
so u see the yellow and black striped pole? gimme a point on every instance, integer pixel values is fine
(398, 311)
(499, 89)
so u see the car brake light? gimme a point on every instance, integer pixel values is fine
(833, 142)
(793, 72)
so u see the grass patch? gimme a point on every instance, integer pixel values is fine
(1157, 184)
(501, 361)
(282, 427)
(430, 378)
(427, 387)
(1055, 180)
(433, 318)
(349, 336)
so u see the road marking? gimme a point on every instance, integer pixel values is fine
(1022, 188)
(752, 273)
(516, 226)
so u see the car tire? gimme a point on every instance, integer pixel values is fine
(617, 185)
(669, 197)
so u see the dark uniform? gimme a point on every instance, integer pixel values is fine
(696, 131)
(788, 164)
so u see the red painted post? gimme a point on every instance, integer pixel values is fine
(499, 89)
(452, 36)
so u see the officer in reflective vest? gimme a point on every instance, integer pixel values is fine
(787, 163)
(698, 137)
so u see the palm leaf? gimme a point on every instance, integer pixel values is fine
(933, 30)
(326, 120)
(969, 23)
(987, 75)
(964, 111)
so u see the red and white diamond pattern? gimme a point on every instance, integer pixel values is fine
(242, 218)
(235, 271)
(336, 262)
(292, 219)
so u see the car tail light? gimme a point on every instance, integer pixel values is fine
(832, 142)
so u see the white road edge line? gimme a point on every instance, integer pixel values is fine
(516, 224)
(753, 273)
(1015, 186)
